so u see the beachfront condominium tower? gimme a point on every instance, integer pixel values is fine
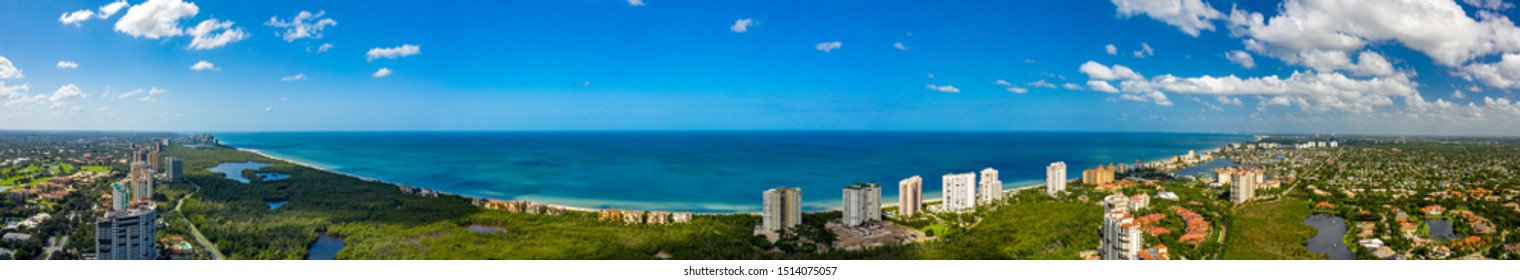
(989, 188)
(174, 169)
(862, 204)
(127, 234)
(910, 196)
(959, 191)
(141, 177)
(1243, 185)
(782, 209)
(1055, 178)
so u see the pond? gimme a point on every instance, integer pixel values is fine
(1329, 240)
(275, 204)
(271, 176)
(486, 228)
(234, 170)
(326, 248)
(1207, 167)
(1440, 229)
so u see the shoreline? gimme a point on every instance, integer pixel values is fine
(590, 210)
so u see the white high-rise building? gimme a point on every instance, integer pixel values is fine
(1243, 185)
(1121, 235)
(782, 209)
(959, 191)
(910, 196)
(121, 197)
(862, 204)
(989, 188)
(128, 234)
(1055, 178)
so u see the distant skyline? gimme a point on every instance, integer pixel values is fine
(1421, 67)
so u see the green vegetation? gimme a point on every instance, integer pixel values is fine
(97, 168)
(1032, 227)
(1272, 230)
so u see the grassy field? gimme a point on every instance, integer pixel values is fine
(1272, 230)
(97, 168)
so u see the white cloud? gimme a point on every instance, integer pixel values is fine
(153, 94)
(66, 93)
(1099, 72)
(1149, 97)
(1190, 16)
(8, 70)
(270, 108)
(1001, 82)
(899, 46)
(828, 46)
(76, 17)
(65, 64)
(1018, 90)
(944, 88)
(393, 52)
(156, 18)
(1101, 86)
(1071, 86)
(304, 25)
(110, 9)
(1440, 29)
(296, 77)
(1230, 101)
(1145, 50)
(130, 93)
(1504, 73)
(742, 25)
(205, 36)
(382, 73)
(1458, 94)
(1111, 49)
(635, 3)
(324, 48)
(204, 65)
(1241, 58)
(1041, 83)
(1368, 63)
(1489, 4)
(1311, 91)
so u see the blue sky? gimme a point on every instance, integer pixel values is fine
(1316, 66)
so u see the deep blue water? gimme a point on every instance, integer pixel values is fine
(276, 204)
(704, 171)
(326, 248)
(271, 176)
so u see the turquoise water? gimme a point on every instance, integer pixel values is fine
(704, 171)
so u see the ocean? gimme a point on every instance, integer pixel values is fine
(705, 172)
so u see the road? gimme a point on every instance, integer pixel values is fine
(216, 254)
(54, 246)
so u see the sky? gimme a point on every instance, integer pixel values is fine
(1406, 67)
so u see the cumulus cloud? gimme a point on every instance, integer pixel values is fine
(1241, 58)
(1041, 83)
(324, 47)
(1458, 94)
(828, 46)
(1191, 16)
(66, 93)
(1440, 29)
(203, 66)
(1071, 86)
(635, 3)
(1504, 73)
(76, 17)
(1101, 86)
(1230, 101)
(296, 77)
(110, 9)
(303, 26)
(206, 37)
(944, 88)
(9, 70)
(1018, 90)
(393, 52)
(1322, 91)
(1489, 4)
(156, 18)
(65, 64)
(1001, 82)
(742, 25)
(1145, 50)
(382, 73)
(899, 46)
(1111, 49)
(1099, 72)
